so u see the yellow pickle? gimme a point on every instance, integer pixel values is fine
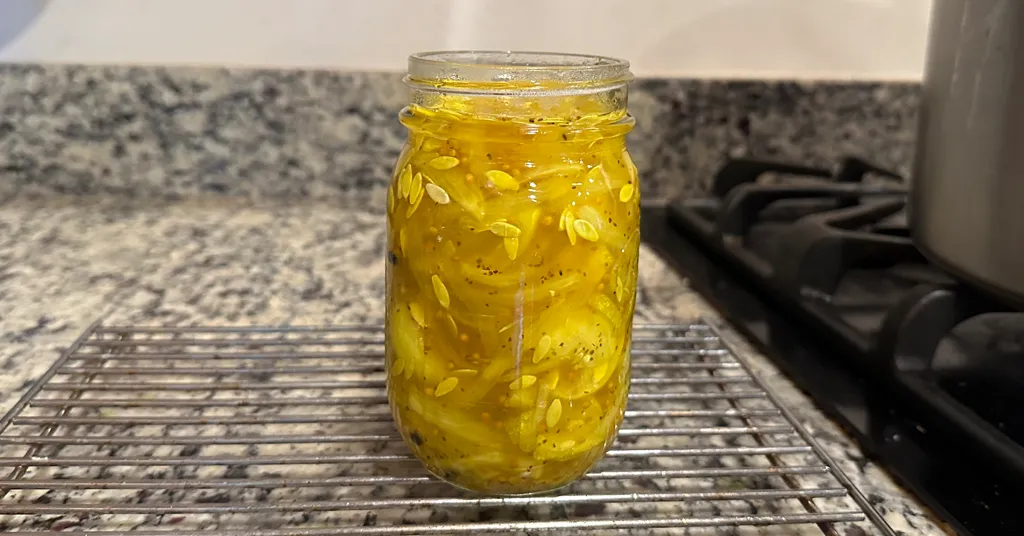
(513, 237)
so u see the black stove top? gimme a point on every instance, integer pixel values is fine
(817, 266)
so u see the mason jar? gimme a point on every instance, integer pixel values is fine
(513, 236)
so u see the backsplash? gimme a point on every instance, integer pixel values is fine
(170, 132)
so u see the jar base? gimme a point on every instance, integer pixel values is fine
(538, 493)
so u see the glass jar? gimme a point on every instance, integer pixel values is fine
(513, 235)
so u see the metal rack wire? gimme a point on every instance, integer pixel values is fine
(286, 430)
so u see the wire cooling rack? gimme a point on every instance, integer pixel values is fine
(286, 430)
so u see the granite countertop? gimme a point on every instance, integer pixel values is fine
(131, 193)
(64, 262)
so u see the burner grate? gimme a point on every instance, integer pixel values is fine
(284, 430)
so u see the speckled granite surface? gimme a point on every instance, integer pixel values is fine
(172, 132)
(179, 196)
(65, 262)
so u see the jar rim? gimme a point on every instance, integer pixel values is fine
(498, 71)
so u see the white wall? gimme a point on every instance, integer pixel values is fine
(861, 39)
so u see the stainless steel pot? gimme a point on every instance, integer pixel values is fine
(967, 194)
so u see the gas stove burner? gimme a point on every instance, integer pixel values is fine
(830, 251)
(802, 228)
(834, 241)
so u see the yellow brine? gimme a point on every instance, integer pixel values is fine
(513, 236)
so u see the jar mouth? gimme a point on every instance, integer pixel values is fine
(516, 72)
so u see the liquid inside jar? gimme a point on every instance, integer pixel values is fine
(513, 242)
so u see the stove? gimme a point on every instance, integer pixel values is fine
(818, 268)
